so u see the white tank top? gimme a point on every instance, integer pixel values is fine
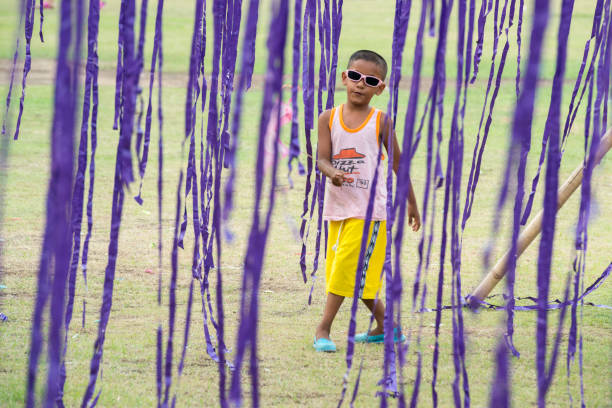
(355, 152)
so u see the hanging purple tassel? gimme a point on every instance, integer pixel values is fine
(482, 20)
(308, 54)
(119, 77)
(336, 27)
(500, 388)
(230, 50)
(142, 163)
(79, 184)
(595, 34)
(42, 18)
(599, 126)
(30, 9)
(519, 29)
(551, 131)
(216, 164)
(56, 242)
(572, 113)
(131, 73)
(324, 28)
(437, 94)
(13, 69)
(160, 159)
(128, 103)
(248, 56)
(294, 145)
(172, 300)
(454, 173)
(247, 330)
(404, 172)
(92, 173)
(478, 146)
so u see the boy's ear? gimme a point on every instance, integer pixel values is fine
(380, 88)
(344, 78)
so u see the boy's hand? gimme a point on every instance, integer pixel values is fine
(337, 178)
(414, 218)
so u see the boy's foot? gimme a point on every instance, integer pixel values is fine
(324, 345)
(398, 337)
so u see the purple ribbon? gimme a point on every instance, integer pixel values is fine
(156, 55)
(572, 111)
(478, 146)
(308, 54)
(91, 73)
(500, 387)
(294, 144)
(120, 62)
(172, 300)
(123, 176)
(248, 57)
(56, 241)
(328, 63)
(253, 263)
(336, 27)
(403, 188)
(13, 69)
(30, 9)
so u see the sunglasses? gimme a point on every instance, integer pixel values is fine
(369, 80)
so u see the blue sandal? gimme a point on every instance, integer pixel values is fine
(324, 345)
(398, 337)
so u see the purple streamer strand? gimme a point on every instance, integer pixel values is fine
(27, 64)
(308, 54)
(119, 76)
(404, 171)
(500, 388)
(572, 112)
(172, 299)
(478, 146)
(455, 162)
(56, 243)
(142, 164)
(253, 264)
(128, 102)
(294, 144)
(42, 18)
(248, 55)
(79, 184)
(61, 191)
(13, 70)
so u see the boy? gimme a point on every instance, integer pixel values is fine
(349, 143)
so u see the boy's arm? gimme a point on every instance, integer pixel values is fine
(324, 149)
(414, 218)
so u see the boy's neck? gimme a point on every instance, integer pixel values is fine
(356, 108)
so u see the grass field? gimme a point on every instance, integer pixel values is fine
(291, 373)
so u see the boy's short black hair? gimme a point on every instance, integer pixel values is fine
(371, 56)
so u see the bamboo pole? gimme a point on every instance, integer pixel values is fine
(532, 230)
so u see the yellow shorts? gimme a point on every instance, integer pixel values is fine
(343, 247)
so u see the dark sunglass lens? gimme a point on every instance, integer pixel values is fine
(353, 75)
(372, 81)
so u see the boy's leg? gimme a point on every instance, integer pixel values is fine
(332, 305)
(378, 310)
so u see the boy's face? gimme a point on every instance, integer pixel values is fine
(358, 93)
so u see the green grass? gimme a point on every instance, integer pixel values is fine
(290, 372)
